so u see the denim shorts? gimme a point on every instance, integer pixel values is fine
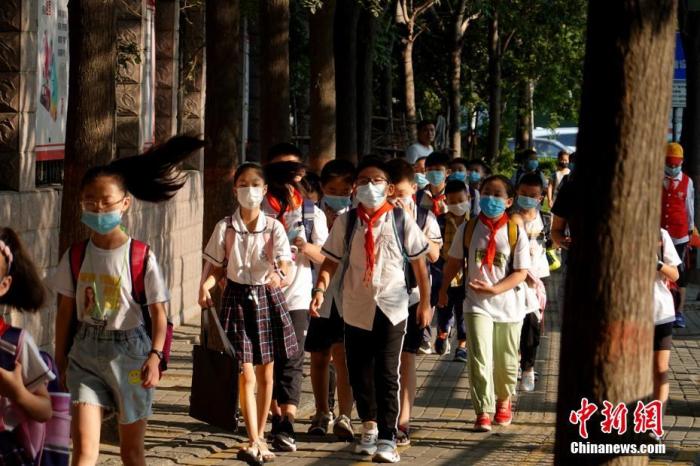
(104, 369)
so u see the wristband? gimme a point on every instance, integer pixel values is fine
(157, 353)
(318, 290)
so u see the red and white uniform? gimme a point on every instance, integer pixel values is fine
(678, 207)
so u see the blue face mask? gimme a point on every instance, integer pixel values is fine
(435, 177)
(337, 203)
(474, 177)
(672, 171)
(527, 203)
(459, 176)
(102, 222)
(421, 180)
(372, 195)
(532, 165)
(492, 206)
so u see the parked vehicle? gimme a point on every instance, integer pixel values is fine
(546, 148)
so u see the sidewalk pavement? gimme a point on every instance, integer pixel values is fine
(442, 418)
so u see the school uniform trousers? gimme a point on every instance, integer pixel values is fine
(289, 372)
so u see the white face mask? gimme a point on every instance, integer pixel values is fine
(459, 209)
(371, 195)
(407, 201)
(250, 197)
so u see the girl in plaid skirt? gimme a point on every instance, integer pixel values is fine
(254, 253)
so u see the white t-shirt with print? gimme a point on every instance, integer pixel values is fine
(505, 307)
(252, 253)
(387, 289)
(664, 307)
(432, 233)
(416, 151)
(104, 287)
(298, 293)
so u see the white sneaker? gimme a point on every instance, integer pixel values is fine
(368, 439)
(386, 452)
(527, 384)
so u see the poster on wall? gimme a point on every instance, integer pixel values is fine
(52, 79)
(148, 75)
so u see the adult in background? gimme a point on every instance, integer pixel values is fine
(424, 146)
(557, 177)
(677, 215)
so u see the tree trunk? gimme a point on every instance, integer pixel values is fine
(323, 121)
(347, 15)
(523, 120)
(223, 110)
(365, 81)
(409, 88)
(274, 74)
(689, 25)
(91, 109)
(455, 97)
(388, 104)
(494, 82)
(607, 331)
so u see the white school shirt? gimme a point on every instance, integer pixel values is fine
(432, 233)
(664, 307)
(105, 274)
(253, 253)
(505, 307)
(416, 151)
(689, 205)
(387, 289)
(539, 266)
(298, 293)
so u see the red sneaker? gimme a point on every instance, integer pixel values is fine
(504, 414)
(483, 423)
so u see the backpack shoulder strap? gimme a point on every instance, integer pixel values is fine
(419, 197)
(307, 212)
(76, 256)
(469, 234)
(513, 233)
(442, 223)
(228, 239)
(10, 346)
(400, 228)
(349, 228)
(421, 216)
(138, 257)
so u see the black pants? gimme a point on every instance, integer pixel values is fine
(373, 358)
(529, 341)
(288, 373)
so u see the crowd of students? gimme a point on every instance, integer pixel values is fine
(350, 267)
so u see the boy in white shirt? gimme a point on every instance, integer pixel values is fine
(365, 244)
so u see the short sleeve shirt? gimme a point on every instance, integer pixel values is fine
(103, 294)
(416, 151)
(387, 288)
(504, 307)
(664, 308)
(253, 253)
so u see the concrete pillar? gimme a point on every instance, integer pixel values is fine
(167, 68)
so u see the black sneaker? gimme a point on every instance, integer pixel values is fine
(284, 438)
(276, 419)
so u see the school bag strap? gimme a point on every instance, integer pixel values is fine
(400, 232)
(419, 197)
(307, 212)
(421, 216)
(138, 257)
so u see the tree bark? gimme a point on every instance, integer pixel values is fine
(523, 121)
(274, 74)
(223, 111)
(689, 26)
(455, 90)
(494, 83)
(607, 332)
(365, 81)
(347, 15)
(323, 119)
(409, 88)
(91, 113)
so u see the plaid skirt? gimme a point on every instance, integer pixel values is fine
(11, 452)
(256, 321)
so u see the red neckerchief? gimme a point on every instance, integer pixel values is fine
(297, 200)
(493, 226)
(364, 216)
(436, 203)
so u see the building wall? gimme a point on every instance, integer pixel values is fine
(173, 229)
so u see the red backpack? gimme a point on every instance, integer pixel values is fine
(138, 257)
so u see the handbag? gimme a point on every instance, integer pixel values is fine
(214, 395)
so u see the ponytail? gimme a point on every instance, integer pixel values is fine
(27, 290)
(154, 176)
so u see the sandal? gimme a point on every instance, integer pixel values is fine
(251, 455)
(265, 453)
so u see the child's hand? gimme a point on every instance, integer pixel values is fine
(424, 314)
(316, 303)
(407, 207)
(205, 300)
(275, 281)
(150, 373)
(11, 384)
(481, 286)
(299, 242)
(442, 298)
